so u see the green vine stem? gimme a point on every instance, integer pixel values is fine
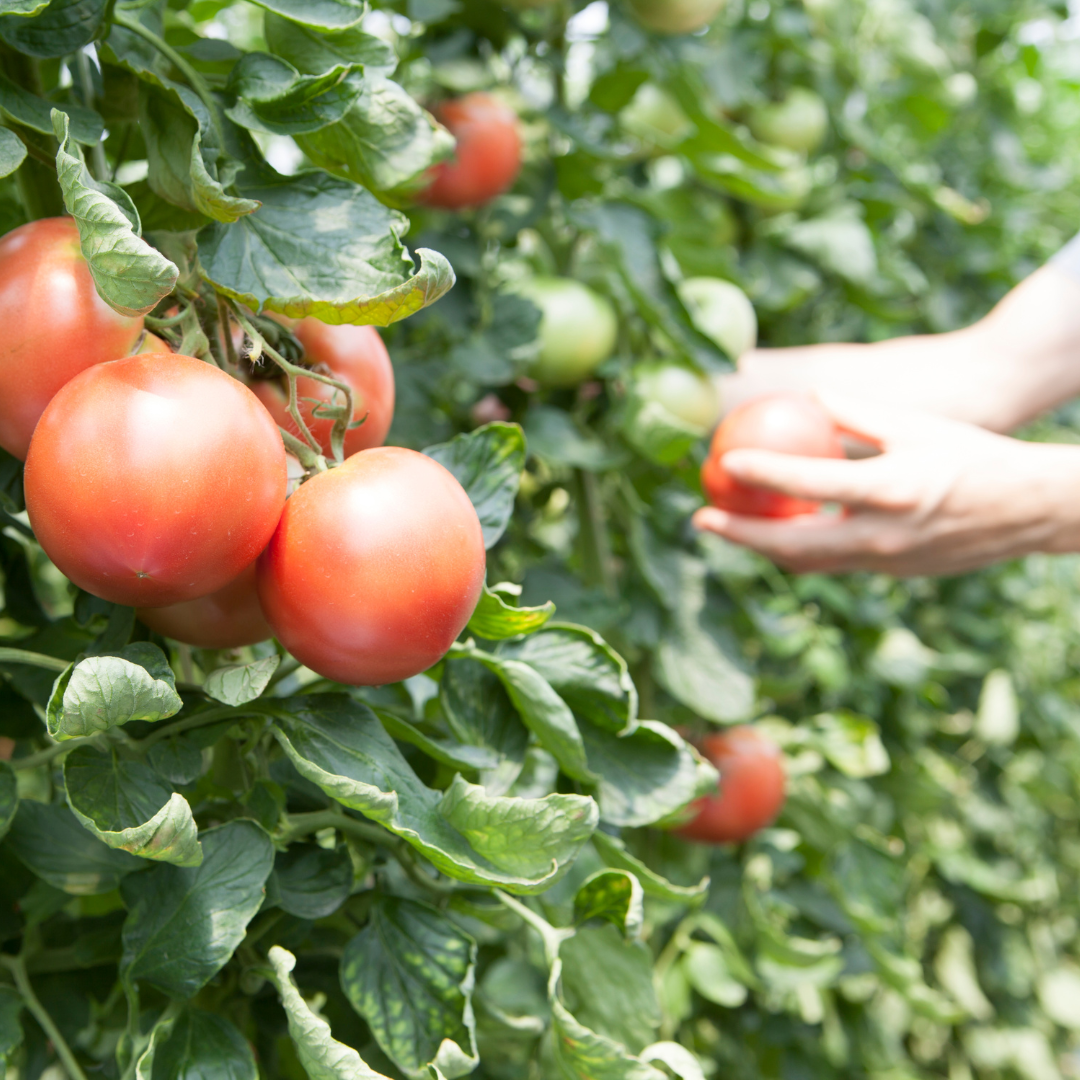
(198, 84)
(32, 659)
(17, 966)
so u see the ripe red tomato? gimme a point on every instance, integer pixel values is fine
(154, 479)
(374, 569)
(226, 619)
(752, 788)
(488, 154)
(786, 423)
(54, 323)
(354, 355)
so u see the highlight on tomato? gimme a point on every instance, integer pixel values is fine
(578, 330)
(154, 479)
(226, 619)
(799, 122)
(374, 569)
(687, 395)
(721, 311)
(752, 788)
(54, 323)
(676, 16)
(488, 155)
(784, 423)
(655, 117)
(354, 355)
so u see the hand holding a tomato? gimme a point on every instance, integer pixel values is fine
(941, 497)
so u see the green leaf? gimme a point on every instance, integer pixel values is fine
(184, 922)
(696, 668)
(613, 852)
(63, 27)
(409, 973)
(12, 152)
(126, 805)
(309, 881)
(647, 775)
(197, 1045)
(103, 692)
(553, 435)
(322, 1056)
(237, 684)
(851, 743)
(273, 96)
(480, 714)
(708, 972)
(35, 113)
(320, 14)
(588, 674)
(311, 51)
(9, 798)
(616, 897)
(522, 845)
(658, 434)
(11, 1032)
(496, 620)
(487, 463)
(324, 247)
(584, 1055)
(607, 984)
(456, 755)
(22, 7)
(49, 840)
(130, 275)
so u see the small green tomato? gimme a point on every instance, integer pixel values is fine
(687, 395)
(722, 312)
(799, 122)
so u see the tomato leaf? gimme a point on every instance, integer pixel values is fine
(310, 882)
(127, 805)
(697, 668)
(103, 692)
(495, 619)
(583, 1054)
(11, 1032)
(61, 27)
(196, 1043)
(9, 798)
(616, 897)
(129, 274)
(48, 839)
(35, 112)
(237, 684)
(521, 845)
(454, 754)
(184, 922)
(409, 973)
(12, 152)
(321, 246)
(312, 51)
(613, 851)
(322, 1056)
(22, 7)
(487, 463)
(328, 15)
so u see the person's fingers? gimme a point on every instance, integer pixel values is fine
(885, 425)
(853, 483)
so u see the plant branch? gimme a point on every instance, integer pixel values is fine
(33, 659)
(17, 966)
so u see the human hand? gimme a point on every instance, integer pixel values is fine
(942, 497)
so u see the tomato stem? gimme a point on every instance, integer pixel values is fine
(33, 659)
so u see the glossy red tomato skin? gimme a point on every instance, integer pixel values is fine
(488, 155)
(374, 569)
(354, 355)
(752, 788)
(227, 619)
(785, 423)
(53, 322)
(154, 479)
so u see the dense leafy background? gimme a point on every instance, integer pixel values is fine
(242, 856)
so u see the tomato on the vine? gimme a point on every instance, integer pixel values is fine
(676, 16)
(721, 311)
(752, 788)
(578, 330)
(686, 394)
(488, 155)
(799, 122)
(154, 479)
(375, 567)
(784, 423)
(226, 619)
(54, 323)
(354, 355)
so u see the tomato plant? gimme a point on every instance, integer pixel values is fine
(783, 423)
(181, 479)
(55, 324)
(799, 122)
(752, 788)
(488, 154)
(411, 568)
(357, 356)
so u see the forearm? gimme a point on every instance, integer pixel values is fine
(1020, 360)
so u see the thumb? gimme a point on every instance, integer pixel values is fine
(884, 426)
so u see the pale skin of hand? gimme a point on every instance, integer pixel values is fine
(945, 494)
(942, 497)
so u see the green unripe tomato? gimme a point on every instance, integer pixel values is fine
(675, 16)
(799, 122)
(656, 118)
(722, 312)
(687, 395)
(578, 330)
